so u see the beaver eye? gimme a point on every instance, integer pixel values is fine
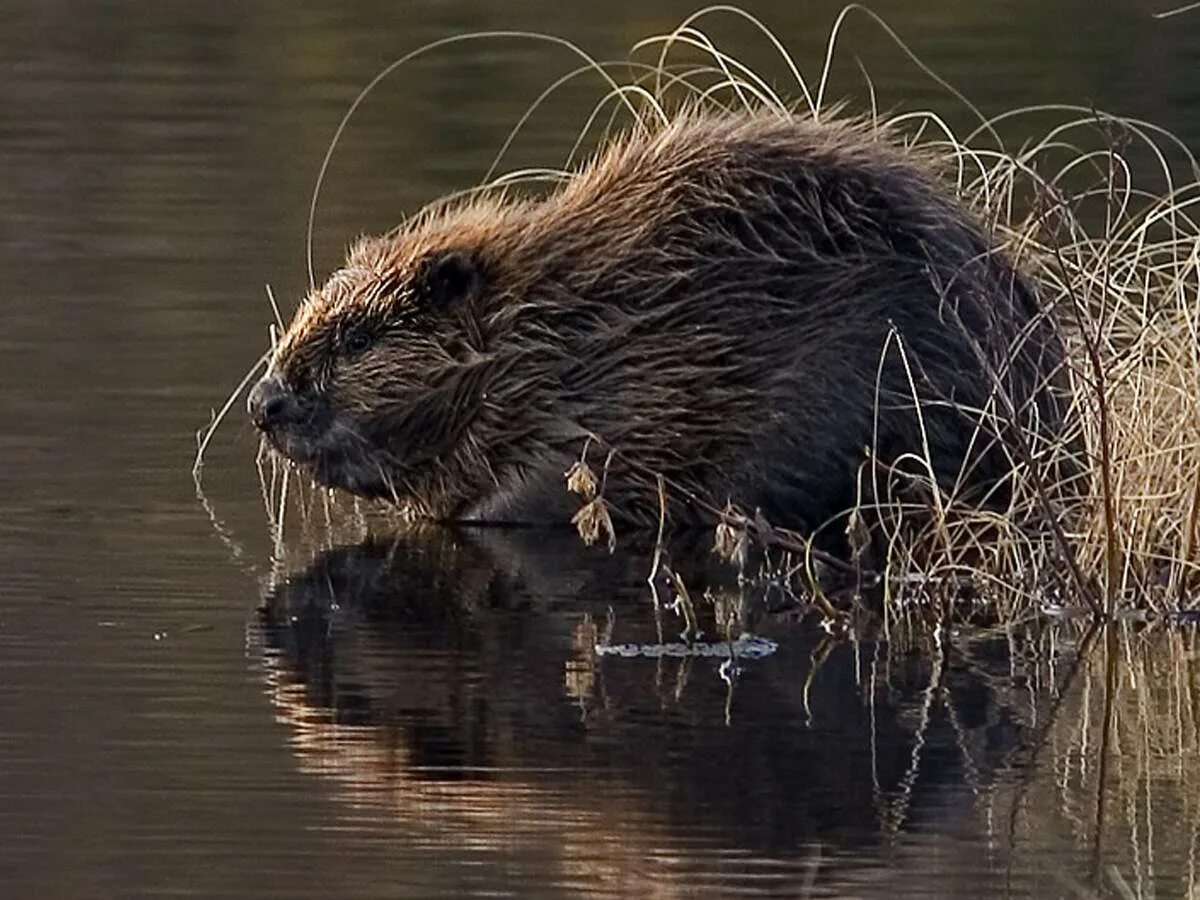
(357, 342)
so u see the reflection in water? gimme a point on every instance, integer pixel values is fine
(451, 681)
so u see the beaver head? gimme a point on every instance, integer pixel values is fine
(716, 299)
(449, 366)
(376, 383)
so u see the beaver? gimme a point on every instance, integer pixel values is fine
(743, 304)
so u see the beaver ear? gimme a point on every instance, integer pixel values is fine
(449, 276)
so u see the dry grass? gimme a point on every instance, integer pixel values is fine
(1100, 210)
(1103, 780)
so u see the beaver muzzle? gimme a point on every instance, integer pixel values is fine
(292, 421)
(272, 404)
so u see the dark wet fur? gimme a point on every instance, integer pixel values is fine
(712, 299)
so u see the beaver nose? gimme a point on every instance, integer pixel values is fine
(271, 403)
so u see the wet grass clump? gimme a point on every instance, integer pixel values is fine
(1099, 210)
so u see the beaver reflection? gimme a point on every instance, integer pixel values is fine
(448, 677)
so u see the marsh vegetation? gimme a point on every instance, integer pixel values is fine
(1099, 209)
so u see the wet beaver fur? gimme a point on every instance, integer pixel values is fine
(743, 304)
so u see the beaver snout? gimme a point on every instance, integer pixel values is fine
(272, 404)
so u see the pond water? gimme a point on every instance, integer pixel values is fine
(186, 709)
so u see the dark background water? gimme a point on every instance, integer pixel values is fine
(423, 715)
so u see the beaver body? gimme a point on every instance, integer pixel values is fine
(742, 304)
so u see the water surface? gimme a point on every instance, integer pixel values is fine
(426, 713)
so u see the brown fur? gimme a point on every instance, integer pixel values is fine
(713, 299)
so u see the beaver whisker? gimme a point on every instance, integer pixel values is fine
(388, 483)
(275, 312)
(204, 436)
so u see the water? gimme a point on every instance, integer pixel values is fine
(427, 714)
